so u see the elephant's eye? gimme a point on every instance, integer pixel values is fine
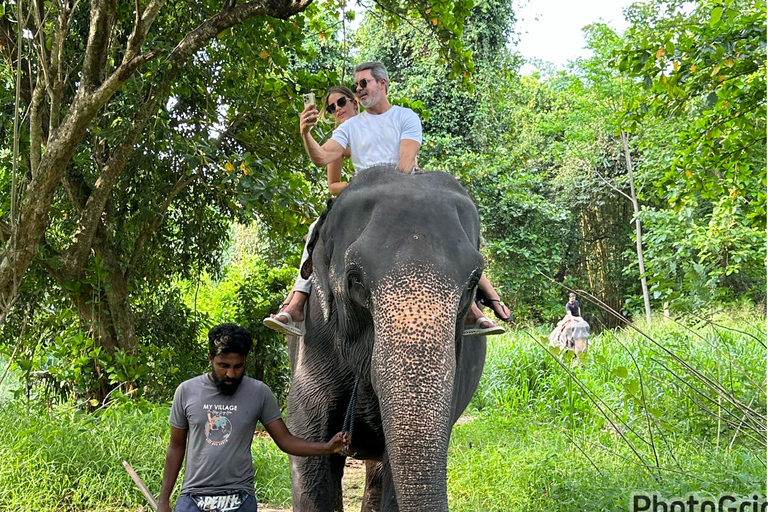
(354, 279)
(357, 290)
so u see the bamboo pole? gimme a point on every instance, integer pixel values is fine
(143, 488)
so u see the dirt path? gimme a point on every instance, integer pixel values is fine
(353, 485)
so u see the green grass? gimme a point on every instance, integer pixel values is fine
(546, 437)
(537, 441)
(63, 459)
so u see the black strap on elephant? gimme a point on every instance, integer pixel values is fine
(306, 268)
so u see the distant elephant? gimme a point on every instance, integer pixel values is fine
(396, 264)
(573, 335)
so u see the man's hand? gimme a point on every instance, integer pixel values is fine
(339, 442)
(164, 507)
(308, 119)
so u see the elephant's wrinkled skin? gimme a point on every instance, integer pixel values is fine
(395, 270)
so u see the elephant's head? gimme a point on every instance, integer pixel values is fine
(577, 333)
(395, 269)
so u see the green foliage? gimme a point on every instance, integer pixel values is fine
(247, 292)
(70, 365)
(63, 459)
(707, 64)
(701, 255)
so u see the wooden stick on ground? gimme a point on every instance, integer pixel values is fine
(143, 488)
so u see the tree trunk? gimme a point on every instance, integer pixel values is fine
(638, 225)
(92, 95)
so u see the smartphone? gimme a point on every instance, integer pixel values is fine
(309, 99)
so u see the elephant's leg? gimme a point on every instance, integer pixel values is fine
(315, 414)
(316, 483)
(374, 473)
(388, 497)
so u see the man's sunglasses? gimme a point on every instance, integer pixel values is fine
(331, 107)
(362, 84)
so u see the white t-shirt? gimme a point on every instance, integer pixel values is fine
(375, 139)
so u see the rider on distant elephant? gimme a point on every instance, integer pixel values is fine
(572, 313)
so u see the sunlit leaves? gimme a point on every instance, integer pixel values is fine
(707, 63)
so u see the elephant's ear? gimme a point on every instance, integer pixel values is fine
(317, 265)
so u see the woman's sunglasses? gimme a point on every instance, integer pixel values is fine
(362, 84)
(331, 108)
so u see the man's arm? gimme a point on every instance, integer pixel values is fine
(296, 446)
(320, 155)
(408, 151)
(173, 459)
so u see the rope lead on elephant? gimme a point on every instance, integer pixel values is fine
(349, 418)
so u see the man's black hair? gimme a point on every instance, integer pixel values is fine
(228, 339)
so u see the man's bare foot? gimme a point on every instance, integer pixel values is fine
(500, 309)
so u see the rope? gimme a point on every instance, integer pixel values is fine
(349, 418)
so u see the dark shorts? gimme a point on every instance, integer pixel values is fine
(185, 503)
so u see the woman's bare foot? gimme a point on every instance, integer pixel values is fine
(474, 315)
(479, 325)
(294, 306)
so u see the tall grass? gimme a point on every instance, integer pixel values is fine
(675, 407)
(65, 460)
(663, 409)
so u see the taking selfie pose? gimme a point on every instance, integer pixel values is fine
(384, 134)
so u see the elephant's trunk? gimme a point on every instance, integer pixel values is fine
(412, 372)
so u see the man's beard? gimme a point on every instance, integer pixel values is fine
(226, 386)
(371, 99)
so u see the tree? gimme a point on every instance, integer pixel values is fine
(704, 63)
(703, 145)
(92, 81)
(613, 92)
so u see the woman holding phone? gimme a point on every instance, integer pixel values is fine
(340, 103)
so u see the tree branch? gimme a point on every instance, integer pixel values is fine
(102, 19)
(611, 184)
(188, 46)
(87, 102)
(56, 86)
(149, 229)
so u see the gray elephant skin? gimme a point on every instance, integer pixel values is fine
(396, 265)
(574, 336)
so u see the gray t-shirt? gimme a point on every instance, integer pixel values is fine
(221, 430)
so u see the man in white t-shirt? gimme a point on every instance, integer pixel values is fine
(383, 134)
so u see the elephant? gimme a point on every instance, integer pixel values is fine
(395, 264)
(573, 335)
